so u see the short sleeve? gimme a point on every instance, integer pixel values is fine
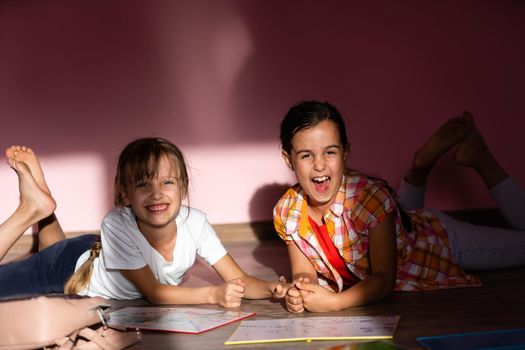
(280, 228)
(120, 234)
(372, 207)
(286, 216)
(209, 246)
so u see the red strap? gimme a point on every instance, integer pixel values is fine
(332, 253)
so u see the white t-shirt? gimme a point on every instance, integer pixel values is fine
(124, 247)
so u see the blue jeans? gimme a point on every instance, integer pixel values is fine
(46, 271)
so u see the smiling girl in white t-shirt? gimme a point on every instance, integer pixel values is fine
(147, 243)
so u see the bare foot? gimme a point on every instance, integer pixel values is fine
(26, 155)
(449, 135)
(474, 152)
(454, 131)
(35, 203)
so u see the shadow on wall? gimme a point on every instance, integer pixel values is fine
(263, 200)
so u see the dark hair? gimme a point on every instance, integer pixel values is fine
(140, 159)
(308, 114)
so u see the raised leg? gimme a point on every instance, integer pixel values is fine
(412, 189)
(35, 204)
(473, 152)
(510, 198)
(411, 197)
(49, 229)
(508, 194)
(450, 134)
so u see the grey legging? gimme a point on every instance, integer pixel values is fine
(482, 247)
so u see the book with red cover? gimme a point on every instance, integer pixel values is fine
(174, 319)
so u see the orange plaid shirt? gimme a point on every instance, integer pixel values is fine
(424, 257)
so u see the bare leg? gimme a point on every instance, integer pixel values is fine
(508, 194)
(450, 134)
(49, 228)
(473, 152)
(35, 204)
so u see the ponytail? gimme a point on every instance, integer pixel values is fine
(80, 278)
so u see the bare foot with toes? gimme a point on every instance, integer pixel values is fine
(472, 151)
(448, 136)
(26, 155)
(453, 132)
(35, 203)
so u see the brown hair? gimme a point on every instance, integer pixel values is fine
(82, 276)
(139, 160)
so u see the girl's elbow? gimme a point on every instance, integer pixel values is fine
(155, 297)
(388, 291)
(386, 284)
(390, 286)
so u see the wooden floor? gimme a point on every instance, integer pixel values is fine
(499, 304)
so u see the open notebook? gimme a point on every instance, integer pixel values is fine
(174, 319)
(314, 328)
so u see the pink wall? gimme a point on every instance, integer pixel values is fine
(80, 79)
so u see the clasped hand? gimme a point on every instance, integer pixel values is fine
(230, 293)
(303, 295)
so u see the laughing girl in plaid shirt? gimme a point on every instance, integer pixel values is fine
(352, 240)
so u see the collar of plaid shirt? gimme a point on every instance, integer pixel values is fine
(306, 232)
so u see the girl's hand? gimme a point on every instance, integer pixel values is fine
(281, 288)
(294, 299)
(316, 298)
(230, 293)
